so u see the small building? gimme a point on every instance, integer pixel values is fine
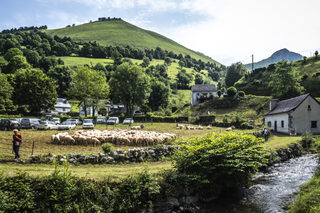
(295, 115)
(201, 92)
(62, 107)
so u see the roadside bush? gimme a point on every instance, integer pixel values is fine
(227, 160)
(107, 148)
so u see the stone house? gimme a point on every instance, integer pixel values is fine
(62, 107)
(200, 92)
(295, 115)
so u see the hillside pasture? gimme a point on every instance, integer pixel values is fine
(80, 61)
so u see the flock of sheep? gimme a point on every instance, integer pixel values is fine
(118, 137)
(181, 126)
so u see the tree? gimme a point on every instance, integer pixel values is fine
(234, 73)
(34, 90)
(32, 57)
(219, 93)
(159, 95)
(89, 86)
(316, 53)
(15, 63)
(6, 91)
(284, 83)
(198, 79)
(183, 79)
(63, 79)
(11, 53)
(145, 62)
(130, 86)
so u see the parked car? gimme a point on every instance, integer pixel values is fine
(29, 123)
(87, 124)
(138, 113)
(73, 121)
(113, 121)
(46, 125)
(56, 120)
(66, 125)
(101, 120)
(9, 124)
(128, 121)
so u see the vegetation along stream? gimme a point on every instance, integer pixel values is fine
(273, 190)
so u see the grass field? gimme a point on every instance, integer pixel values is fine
(80, 61)
(121, 33)
(42, 145)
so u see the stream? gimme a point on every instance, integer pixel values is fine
(273, 190)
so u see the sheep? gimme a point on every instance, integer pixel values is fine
(209, 127)
(199, 127)
(230, 128)
(179, 126)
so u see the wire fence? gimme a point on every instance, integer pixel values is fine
(6, 148)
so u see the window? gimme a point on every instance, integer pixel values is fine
(269, 123)
(309, 107)
(313, 124)
(282, 124)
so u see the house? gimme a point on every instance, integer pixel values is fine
(200, 92)
(295, 115)
(62, 107)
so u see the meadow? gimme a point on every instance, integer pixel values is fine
(43, 145)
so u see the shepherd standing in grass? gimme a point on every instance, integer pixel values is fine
(17, 141)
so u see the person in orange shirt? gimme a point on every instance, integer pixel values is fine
(17, 141)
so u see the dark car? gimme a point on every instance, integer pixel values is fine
(29, 123)
(7, 124)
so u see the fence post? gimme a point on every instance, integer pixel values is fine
(32, 147)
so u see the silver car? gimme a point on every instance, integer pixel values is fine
(46, 125)
(87, 124)
(66, 125)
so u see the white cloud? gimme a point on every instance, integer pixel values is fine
(240, 28)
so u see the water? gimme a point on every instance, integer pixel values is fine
(274, 190)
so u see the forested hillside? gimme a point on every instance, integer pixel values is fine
(54, 62)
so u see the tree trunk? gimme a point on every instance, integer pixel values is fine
(85, 108)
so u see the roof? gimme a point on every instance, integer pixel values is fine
(203, 88)
(288, 105)
(61, 102)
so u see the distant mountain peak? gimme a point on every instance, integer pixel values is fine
(282, 54)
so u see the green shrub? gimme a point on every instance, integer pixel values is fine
(241, 93)
(231, 91)
(17, 194)
(307, 139)
(226, 160)
(136, 193)
(107, 148)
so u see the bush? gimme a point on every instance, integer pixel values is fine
(226, 160)
(107, 148)
(231, 91)
(307, 139)
(241, 93)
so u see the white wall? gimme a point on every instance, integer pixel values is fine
(278, 117)
(194, 96)
(302, 117)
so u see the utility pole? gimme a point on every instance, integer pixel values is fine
(252, 62)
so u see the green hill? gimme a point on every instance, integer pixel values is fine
(121, 33)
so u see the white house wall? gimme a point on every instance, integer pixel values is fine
(302, 117)
(278, 117)
(194, 95)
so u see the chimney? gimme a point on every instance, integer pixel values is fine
(273, 103)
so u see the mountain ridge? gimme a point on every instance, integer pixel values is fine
(282, 54)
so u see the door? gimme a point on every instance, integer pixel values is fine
(275, 126)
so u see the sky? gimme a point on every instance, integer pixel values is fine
(228, 31)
